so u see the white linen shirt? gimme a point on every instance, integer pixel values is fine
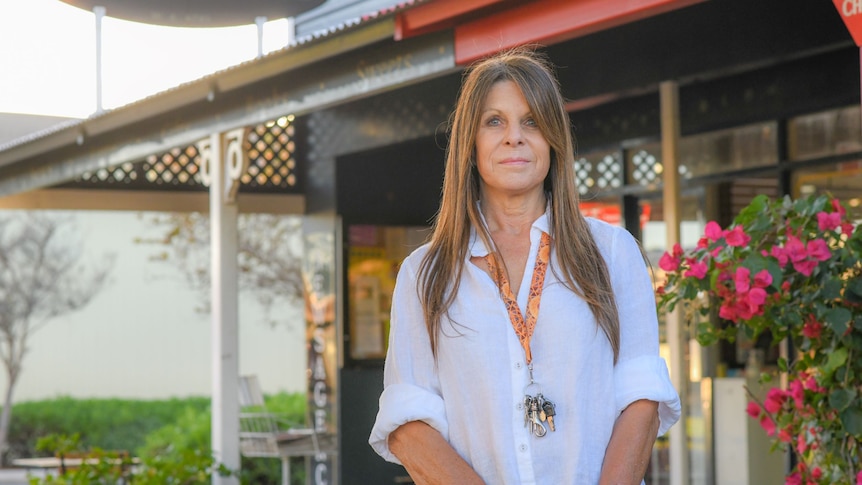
(474, 394)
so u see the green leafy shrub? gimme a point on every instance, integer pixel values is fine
(99, 467)
(166, 435)
(110, 424)
(793, 270)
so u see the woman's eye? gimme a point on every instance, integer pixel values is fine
(530, 122)
(493, 121)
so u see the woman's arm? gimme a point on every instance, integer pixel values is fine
(428, 458)
(631, 442)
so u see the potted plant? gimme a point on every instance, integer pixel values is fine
(791, 269)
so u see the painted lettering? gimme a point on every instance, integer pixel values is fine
(320, 397)
(851, 7)
(321, 473)
(320, 420)
(319, 340)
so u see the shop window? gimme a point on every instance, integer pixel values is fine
(609, 211)
(841, 180)
(374, 256)
(645, 166)
(597, 171)
(826, 133)
(708, 153)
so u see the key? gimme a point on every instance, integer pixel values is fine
(540, 401)
(537, 427)
(549, 410)
(528, 400)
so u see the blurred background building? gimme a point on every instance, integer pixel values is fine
(683, 110)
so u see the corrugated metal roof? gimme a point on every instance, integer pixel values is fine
(302, 42)
(21, 140)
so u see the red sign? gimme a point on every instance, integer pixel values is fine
(851, 12)
(611, 213)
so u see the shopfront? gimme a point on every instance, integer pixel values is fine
(768, 103)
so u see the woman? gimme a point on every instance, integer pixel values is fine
(524, 340)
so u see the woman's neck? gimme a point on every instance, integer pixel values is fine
(512, 215)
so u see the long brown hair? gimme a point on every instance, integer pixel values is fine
(582, 267)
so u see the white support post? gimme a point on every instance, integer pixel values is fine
(679, 453)
(260, 21)
(99, 11)
(216, 171)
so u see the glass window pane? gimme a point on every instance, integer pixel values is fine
(374, 256)
(708, 153)
(842, 180)
(826, 133)
(597, 171)
(609, 211)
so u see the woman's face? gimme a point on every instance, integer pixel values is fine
(512, 155)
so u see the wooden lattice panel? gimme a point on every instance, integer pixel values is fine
(271, 150)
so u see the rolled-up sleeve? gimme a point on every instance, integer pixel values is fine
(402, 403)
(411, 390)
(640, 372)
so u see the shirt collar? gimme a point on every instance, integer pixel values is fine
(478, 250)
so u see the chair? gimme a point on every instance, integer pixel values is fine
(260, 429)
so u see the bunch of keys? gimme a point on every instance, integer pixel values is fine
(538, 410)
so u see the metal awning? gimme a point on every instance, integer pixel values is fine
(360, 61)
(198, 13)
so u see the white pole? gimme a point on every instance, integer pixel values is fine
(260, 21)
(291, 31)
(669, 100)
(100, 12)
(285, 470)
(225, 335)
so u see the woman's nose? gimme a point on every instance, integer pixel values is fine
(514, 135)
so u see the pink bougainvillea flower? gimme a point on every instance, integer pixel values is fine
(702, 243)
(774, 399)
(712, 231)
(670, 261)
(819, 250)
(797, 392)
(784, 435)
(742, 279)
(836, 204)
(795, 249)
(780, 254)
(846, 228)
(794, 479)
(753, 409)
(697, 269)
(727, 312)
(801, 443)
(756, 297)
(827, 221)
(806, 267)
(812, 328)
(859, 478)
(768, 425)
(762, 279)
(816, 473)
(736, 237)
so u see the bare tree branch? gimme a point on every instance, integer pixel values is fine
(42, 276)
(269, 254)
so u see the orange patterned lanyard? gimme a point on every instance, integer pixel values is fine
(537, 409)
(524, 327)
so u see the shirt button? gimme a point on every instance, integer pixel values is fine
(518, 365)
(519, 406)
(522, 447)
